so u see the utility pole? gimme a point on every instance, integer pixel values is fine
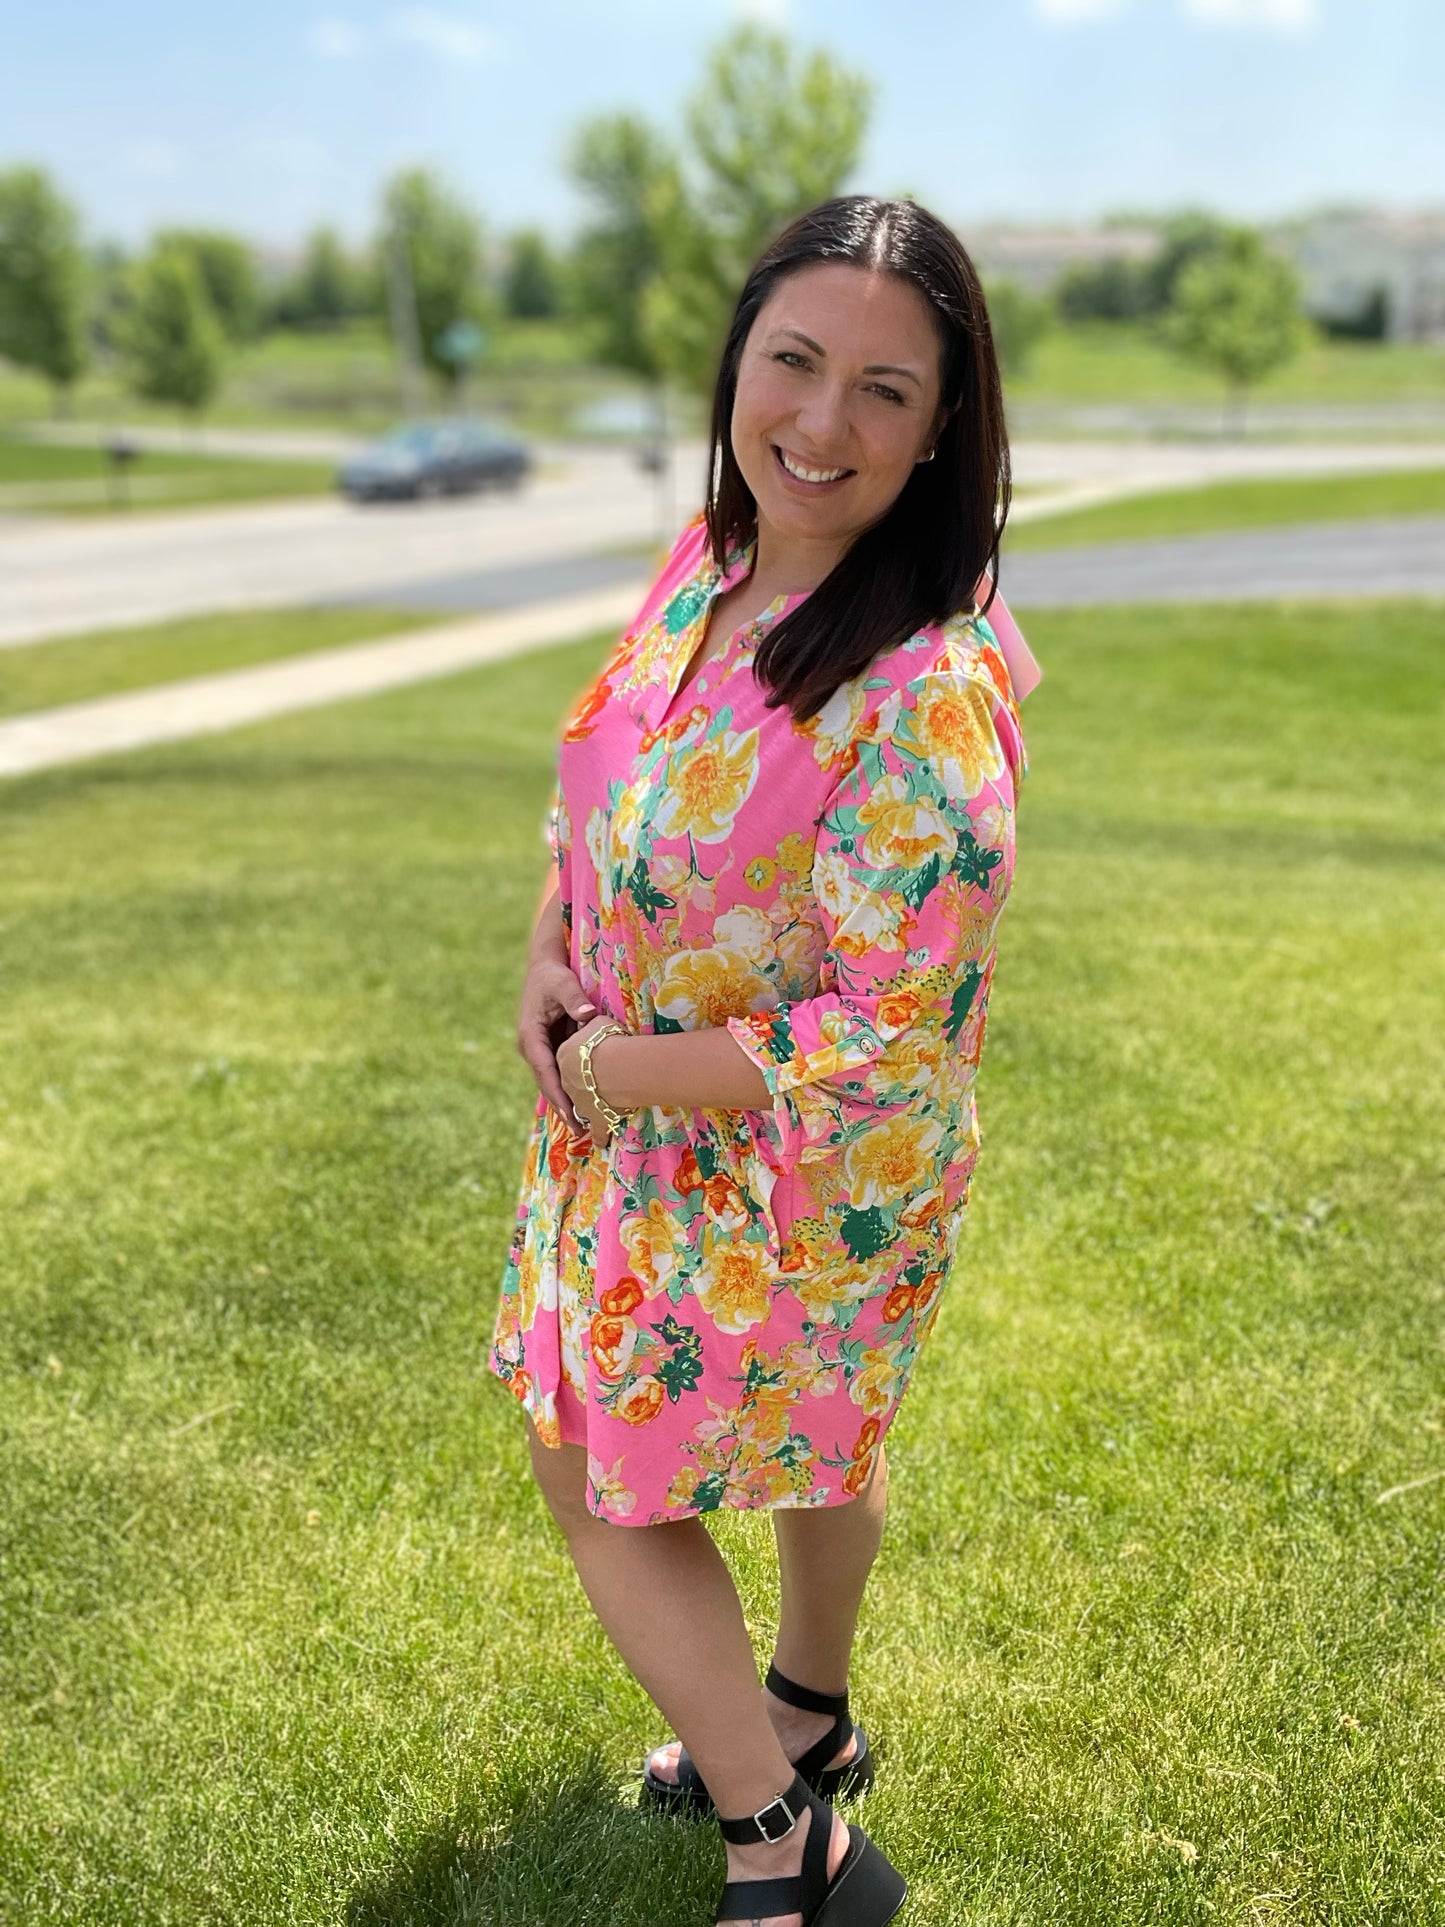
(405, 326)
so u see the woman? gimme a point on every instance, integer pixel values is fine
(755, 1006)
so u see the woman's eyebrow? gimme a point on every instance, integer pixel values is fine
(873, 368)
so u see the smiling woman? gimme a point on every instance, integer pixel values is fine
(755, 1008)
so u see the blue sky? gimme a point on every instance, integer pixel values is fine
(268, 117)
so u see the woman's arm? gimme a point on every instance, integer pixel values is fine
(697, 1069)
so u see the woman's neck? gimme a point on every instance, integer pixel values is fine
(792, 565)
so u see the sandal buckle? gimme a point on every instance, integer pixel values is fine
(764, 1822)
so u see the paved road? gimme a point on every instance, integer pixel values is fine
(1385, 557)
(62, 578)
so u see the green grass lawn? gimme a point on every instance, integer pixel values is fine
(52, 479)
(1238, 505)
(285, 1636)
(1110, 362)
(74, 669)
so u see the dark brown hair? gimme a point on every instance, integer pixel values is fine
(921, 561)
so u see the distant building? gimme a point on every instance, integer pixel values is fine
(1353, 260)
(1039, 258)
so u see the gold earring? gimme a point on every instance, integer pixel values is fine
(926, 458)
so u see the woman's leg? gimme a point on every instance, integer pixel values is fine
(667, 1602)
(824, 1558)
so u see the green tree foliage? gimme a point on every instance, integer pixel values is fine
(769, 134)
(172, 343)
(1237, 311)
(227, 268)
(42, 279)
(619, 163)
(531, 288)
(327, 289)
(1018, 319)
(1188, 237)
(439, 240)
(1114, 289)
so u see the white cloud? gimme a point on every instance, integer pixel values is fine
(1274, 16)
(1070, 12)
(446, 34)
(772, 13)
(337, 39)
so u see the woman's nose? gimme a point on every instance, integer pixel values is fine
(823, 418)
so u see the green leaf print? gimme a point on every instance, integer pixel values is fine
(865, 1232)
(961, 1002)
(679, 1373)
(974, 863)
(915, 886)
(709, 1494)
(644, 893)
(665, 1026)
(685, 607)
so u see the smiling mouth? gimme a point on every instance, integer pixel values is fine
(814, 477)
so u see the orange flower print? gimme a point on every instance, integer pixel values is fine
(688, 1175)
(857, 1476)
(867, 1438)
(521, 1384)
(898, 1303)
(898, 1008)
(625, 1296)
(584, 719)
(611, 1341)
(641, 1402)
(732, 1286)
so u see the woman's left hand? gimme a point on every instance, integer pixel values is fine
(570, 1071)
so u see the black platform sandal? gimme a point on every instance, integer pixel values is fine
(689, 1798)
(866, 1891)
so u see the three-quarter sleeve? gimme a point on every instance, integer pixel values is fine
(914, 858)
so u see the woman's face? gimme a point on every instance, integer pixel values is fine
(841, 377)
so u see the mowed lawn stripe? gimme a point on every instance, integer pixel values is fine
(1236, 505)
(285, 1635)
(42, 675)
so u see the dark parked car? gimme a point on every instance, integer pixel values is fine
(435, 458)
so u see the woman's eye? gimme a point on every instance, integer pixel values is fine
(791, 357)
(889, 394)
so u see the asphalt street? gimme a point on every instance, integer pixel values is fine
(592, 515)
(1404, 557)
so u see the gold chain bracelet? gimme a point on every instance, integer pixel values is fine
(612, 1118)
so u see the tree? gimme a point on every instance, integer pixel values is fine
(327, 288)
(530, 289)
(1017, 318)
(769, 134)
(172, 343)
(1114, 289)
(619, 163)
(1237, 311)
(433, 241)
(1187, 238)
(227, 269)
(42, 279)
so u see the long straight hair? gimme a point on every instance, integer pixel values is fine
(921, 562)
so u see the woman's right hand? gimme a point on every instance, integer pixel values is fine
(554, 1005)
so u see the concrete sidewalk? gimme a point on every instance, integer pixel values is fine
(202, 705)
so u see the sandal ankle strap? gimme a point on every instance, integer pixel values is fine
(803, 1697)
(773, 1822)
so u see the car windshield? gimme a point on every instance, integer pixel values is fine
(415, 439)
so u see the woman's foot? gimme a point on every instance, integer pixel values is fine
(796, 1730)
(777, 1861)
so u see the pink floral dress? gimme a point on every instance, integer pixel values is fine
(725, 1307)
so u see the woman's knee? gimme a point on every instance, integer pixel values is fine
(561, 1473)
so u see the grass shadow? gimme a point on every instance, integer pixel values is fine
(571, 1853)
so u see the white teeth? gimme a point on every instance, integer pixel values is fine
(811, 474)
